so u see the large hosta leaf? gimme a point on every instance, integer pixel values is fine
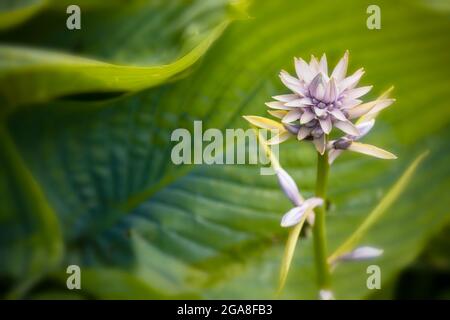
(213, 231)
(14, 12)
(136, 46)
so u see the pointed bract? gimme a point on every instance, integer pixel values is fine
(371, 150)
(265, 123)
(279, 138)
(278, 113)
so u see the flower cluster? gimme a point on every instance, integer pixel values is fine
(318, 102)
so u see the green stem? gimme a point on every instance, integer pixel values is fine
(319, 229)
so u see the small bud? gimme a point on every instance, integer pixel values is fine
(342, 144)
(361, 253)
(326, 295)
(289, 187)
(292, 128)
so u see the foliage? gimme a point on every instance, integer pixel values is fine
(89, 181)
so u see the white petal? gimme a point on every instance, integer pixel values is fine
(347, 127)
(323, 65)
(371, 150)
(303, 132)
(277, 113)
(307, 101)
(333, 154)
(331, 91)
(357, 92)
(380, 105)
(311, 218)
(319, 143)
(338, 115)
(286, 97)
(314, 65)
(292, 116)
(370, 110)
(351, 81)
(326, 125)
(292, 83)
(303, 71)
(279, 138)
(350, 103)
(341, 68)
(288, 78)
(320, 112)
(306, 117)
(297, 103)
(293, 216)
(361, 253)
(360, 110)
(311, 203)
(320, 91)
(365, 127)
(289, 187)
(278, 105)
(314, 85)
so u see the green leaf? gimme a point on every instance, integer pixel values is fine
(34, 246)
(110, 283)
(378, 212)
(14, 12)
(133, 53)
(213, 231)
(57, 295)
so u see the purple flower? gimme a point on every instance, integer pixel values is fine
(320, 101)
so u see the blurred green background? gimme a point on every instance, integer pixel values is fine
(86, 177)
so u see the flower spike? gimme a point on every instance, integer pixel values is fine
(319, 102)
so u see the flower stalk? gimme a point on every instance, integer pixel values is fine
(318, 102)
(319, 229)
